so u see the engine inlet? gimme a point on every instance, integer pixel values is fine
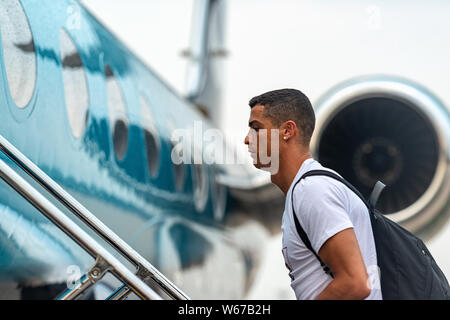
(386, 139)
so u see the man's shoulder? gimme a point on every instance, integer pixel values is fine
(318, 185)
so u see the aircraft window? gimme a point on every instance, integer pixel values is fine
(75, 86)
(151, 136)
(117, 114)
(18, 51)
(219, 194)
(200, 181)
(179, 170)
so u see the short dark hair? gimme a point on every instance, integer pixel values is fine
(288, 104)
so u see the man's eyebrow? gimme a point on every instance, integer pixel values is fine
(254, 121)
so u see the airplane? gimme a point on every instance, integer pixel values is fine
(98, 121)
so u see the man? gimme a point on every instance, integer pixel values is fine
(335, 220)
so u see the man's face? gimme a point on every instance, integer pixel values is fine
(262, 140)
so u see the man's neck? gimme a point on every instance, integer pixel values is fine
(288, 170)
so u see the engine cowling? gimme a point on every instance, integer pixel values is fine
(389, 130)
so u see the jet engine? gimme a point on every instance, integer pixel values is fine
(394, 131)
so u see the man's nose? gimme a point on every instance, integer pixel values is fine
(246, 141)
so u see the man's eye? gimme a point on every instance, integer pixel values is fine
(256, 129)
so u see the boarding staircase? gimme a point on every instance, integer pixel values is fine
(137, 282)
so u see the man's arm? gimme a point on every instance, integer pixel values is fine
(342, 255)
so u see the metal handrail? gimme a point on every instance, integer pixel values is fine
(145, 269)
(74, 231)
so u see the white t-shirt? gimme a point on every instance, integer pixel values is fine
(324, 207)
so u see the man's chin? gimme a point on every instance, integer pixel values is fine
(266, 167)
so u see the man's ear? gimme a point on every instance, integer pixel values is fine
(287, 129)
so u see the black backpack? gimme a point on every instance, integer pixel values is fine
(407, 269)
